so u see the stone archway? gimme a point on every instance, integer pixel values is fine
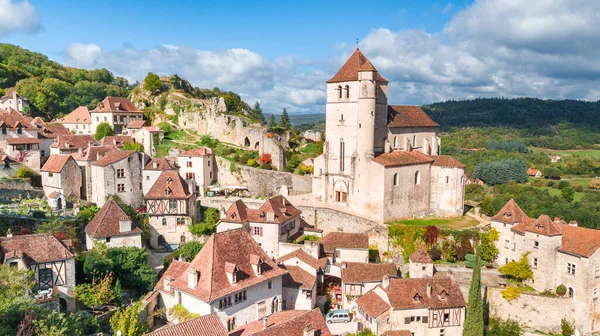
(246, 142)
(340, 189)
(256, 145)
(161, 241)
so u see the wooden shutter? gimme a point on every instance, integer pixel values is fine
(407, 320)
(425, 319)
(260, 231)
(252, 230)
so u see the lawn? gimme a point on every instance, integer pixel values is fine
(448, 223)
(557, 192)
(591, 153)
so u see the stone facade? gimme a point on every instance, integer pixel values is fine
(197, 167)
(65, 179)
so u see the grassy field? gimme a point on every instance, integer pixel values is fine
(591, 153)
(449, 223)
(556, 192)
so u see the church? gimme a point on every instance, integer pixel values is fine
(382, 161)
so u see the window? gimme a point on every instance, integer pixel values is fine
(339, 88)
(261, 309)
(50, 174)
(597, 271)
(417, 178)
(396, 180)
(507, 244)
(172, 204)
(571, 268)
(43, 153)
(446, 317)
(225, 302)
(257, 231)
(342, 154)
(210, 175)
(535, 263)
(19, 130)
(208, 161)
(76, 126)
(595, 295)
(167, 191)
(347, 91)
(120, 187)
(164, 222)
(3, 129)
(536, 244)
(104, 118)
(240, 297)
(14, 264)
(231, 324)
(120, 173)
(108, 239)
(447, 179)
(442, 332)
(180, 221)
(571, 292)
(45, 276)
(147, 177)
(414, 143)
(269, 284)
(190, 176)
(188, 164)
(97, 118)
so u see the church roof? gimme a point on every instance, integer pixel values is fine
(402, 158)
(409, 116)
(356, 63)
(446, 161)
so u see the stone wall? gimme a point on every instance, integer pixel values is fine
(16, 188)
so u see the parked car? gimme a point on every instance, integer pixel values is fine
(338, 315)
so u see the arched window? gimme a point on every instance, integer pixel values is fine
(342, 154)
(164, 221)
(347, 91)
(395, 142)
(275, 305)
(396, 180)
(417, 178)
(571, 292)
(339, 91)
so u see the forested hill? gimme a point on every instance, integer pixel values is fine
(518, 112)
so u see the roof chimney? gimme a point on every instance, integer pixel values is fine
(428, 290)
(309, 330)
(192, 278)
(387, 146)
(125, 224)
(9, 233)
(265, 322)
(167, 283)
(182, 257)
(573, 223)
(385, 282)
(344, 265)
(270, 216)
(155, 165)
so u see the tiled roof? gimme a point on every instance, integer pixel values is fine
(136, 124)
(56, 162)
(200, 151)
(106, 222)
(153, 129)
(373, 304)
(51, 131)
(35, 248)
(401, 293)
(409, 116)
(211, 261)
(349, 71)
(113, 156)
(532, 171)
(334, 240)
(420, 256)
(176, 270)
(116, 140)
(22, 141)
(286, 323)
(298, 278)
(80, 115)
(73, 141)
(306, 258)
(402, 332)
(543, 225)
(353, 272)
(446, 161)
(580, 241)
(162, 163)
(92, 153)
(12, 119)
(237, 212)
(281, 208)
(402, 158)
(511, 213)
(207, 325)
(116, 104)
(37, 121)
(169, 180)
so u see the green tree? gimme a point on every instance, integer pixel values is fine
(499, 327)
(473, 325)
(97, 293)
(15, 302)
(567, 328)
(103, 130)
(272, 122)
(284, 121)
(24, 172)
(127, 321)
(568, 194)
(256, 114)
(96, 262)
(519, 270)
(487, 248)
(134, 146)
(57, 324)
(190, 249)
(130, 265)
(152, 83)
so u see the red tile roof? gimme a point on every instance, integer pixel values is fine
(356, 63)
(172, 181)
(532, 171)
(80, 115)
(421, 256)
(153, 129)
(207, 325)
(579, 241)
(56, 163)
(306, 258)
(543, 225)
(298, 278)
(116, 104)
(211, 261)
(237, 212)
(402, 332)
(511, 213)
(176, 270)
(373, 304)
(106, 222)
(116, 140)
(162, 163)
(73, 141)
(446, 161)
(402, 158)
(409, 116)
(353, 272)
(22, 141)
(286, 323)
(51, 131)
(35, 248)
(401, 293)
(200, 151)
(12, 119)
(136, 124)
(279, 206)
(113, 156)
(335, 240)
(92, 153)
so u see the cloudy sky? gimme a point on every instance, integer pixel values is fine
(281, 53)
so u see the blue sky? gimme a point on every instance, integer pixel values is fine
(281, 52)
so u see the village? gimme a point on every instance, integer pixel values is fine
(240, 250)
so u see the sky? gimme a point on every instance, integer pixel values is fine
(280, 53)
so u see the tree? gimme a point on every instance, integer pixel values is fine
(190, 249)
(284, 121)
(127, 321)
(519, 270)
(473, 325)
(431, 236)
(97, 262)
(58, 324)
(272, 122)
(24, 172)
(15, 303)
(256, 114)
(152, 83)
(97, 293)
(134, 146)
(130, 265)
(567, 328)
(103, 130)
(499, 327)
(568, 194)
(487, 248)
(551, 173)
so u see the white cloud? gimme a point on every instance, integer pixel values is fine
(85, 55)
(17, 16)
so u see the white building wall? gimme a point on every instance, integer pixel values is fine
(352, 255)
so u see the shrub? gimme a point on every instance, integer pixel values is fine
(511, 293)
(24, 172)
(97, 293)
(309, 237)
(594, 184)
(266, 166)
(551, 183)
(265, 158)
(499, 327)
(251, 163)
(561, 290)
(234, 168)
(165, 126)
(567, 328)
(563, 184)
(127, 321)
(519, 270)
(180, 313)
(578, 188)
(102, 130)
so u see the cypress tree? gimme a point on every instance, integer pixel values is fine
(474, 320)
(284, 121)
(272, 122)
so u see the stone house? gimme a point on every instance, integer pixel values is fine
(154, 168)
(52, 262)
(207, 325)
(115, 140)
(559, 253)
(71, 144)
(300, 284)
(420, 264)
(171, 209)
(426, 306)
(84, 159)
(79, 121)
(274, 222)
(148, 136)
(240, 284)
(197, 166)
(19, 139)
(382, 161)
(117, 112)
(13, 100)
(289, 322)
(359, 278)
(341, 247)
(119, 173)
(114, 227)
(61, 176)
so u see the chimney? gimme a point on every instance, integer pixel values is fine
(182, 257)
(387, 146)
(192, 278)
(9, 233)
(573, 223)
(428, 290)
(309, 330)
(265, 323)
(125, 224)
(80, 151)
(270, 216)
(155, 165)
(167, 283)
(344, 265)
(385, 282)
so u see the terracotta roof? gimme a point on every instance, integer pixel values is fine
(116, 140)
(116, 104)
(356, 63)
(511, 213)
(402, 332)
(162, 163)
(106, 222)
(446, 161)
(353, 272)
(401, 293)
(153, 129)
(421, 256)
(580, 241)
(207, 325)
(113, 156)
(35, 248)
(136, 124)
(306, 258)
(286, 323)
(73, 141)
(213, 282)
(409, 116)
(12, 119)
(37, 121)
(402, 158)
(51, 131)
(176, 270)
(334, 240)
(80, 115)
(22, 141)
(543, 225)
(298, 278)
(53, 195)
(532, 171)
(169, 185)
(279, 206)
(56, 163)
(373, 304)
(92, 153)
(200, 151)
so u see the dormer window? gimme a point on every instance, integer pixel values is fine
(507, 214)
(169, 180)
(417, 298)
(19, 130)
(167, 191)
(443, 295)
(262, 214)
(233, 215)
(4, 130)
